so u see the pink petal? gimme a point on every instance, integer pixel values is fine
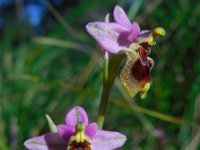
(91, 130)
(144, 31)
(111, 36)
(50, 141)
(144, 34)
(76, 115)
(134, 32)
(107, 140)
(65, 131)
(121, 17)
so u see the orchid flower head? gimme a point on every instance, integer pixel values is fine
(122, 36)
(77, 133)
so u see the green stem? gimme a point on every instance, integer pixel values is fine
(109, 75)
(105, 92)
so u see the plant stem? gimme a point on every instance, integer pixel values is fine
(109, 74)
(105, 92)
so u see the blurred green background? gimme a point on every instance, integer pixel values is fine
(61, 66)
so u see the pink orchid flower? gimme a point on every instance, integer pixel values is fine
(122, 36)
(77, 133)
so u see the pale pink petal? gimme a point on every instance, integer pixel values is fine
(144, 34)
(112, 37)
(91, 130)
(76, 115)
(121, 17)
(50, 141)
(107, 140)
(65, 131)
(134, 32)
(144, 31)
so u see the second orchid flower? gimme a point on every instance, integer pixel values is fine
(77, 133)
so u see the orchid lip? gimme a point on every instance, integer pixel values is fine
(140, 71)
(80, 140)
(85, 145)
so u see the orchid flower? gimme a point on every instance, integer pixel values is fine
(122, 36)
(77, 133)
